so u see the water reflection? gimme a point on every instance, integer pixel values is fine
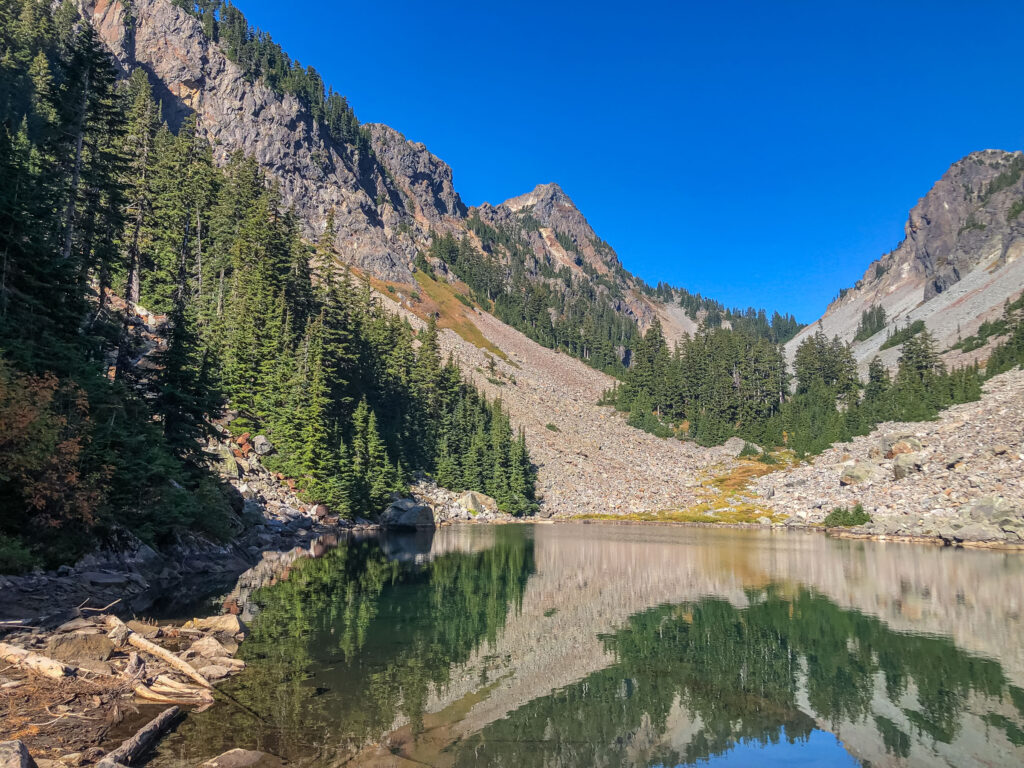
(592, 645)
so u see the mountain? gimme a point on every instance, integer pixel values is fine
(389, 195)
(957, 266)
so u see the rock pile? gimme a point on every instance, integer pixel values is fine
(959, 478)
(449, 507)
(595, 462)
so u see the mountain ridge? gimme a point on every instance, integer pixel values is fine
(959, 262)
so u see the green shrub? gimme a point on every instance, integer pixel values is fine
(15, 556)
(843, 517)
(749, 449)
(767, 458)
(552, 427)
(464, 299)
(903, 334)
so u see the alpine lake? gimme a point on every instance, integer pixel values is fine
(621, 645)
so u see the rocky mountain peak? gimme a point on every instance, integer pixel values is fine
(959, 261)
(545, 195)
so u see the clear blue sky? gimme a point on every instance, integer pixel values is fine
(759, 152)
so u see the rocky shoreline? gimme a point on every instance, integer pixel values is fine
(958, 479)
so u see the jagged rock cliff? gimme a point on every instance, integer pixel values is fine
(959, 262)
(192, 75)
(425, 179)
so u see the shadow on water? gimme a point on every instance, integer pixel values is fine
(417, 650)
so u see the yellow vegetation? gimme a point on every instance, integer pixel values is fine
(722, 499)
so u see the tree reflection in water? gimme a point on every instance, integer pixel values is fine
(352, 649)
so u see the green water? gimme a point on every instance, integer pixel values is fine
(589, 645)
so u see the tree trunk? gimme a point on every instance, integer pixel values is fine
(144, 740)
(33, 662)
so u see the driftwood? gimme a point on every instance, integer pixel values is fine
(162, 695)
(167, 690)
(121, 634)
(144, 739)
(34, 662)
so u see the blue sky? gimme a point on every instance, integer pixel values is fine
(760, 153)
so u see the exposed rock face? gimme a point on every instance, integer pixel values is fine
(422, 176)
(191, 74)
(959, 262)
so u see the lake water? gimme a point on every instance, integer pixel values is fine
(604, 645)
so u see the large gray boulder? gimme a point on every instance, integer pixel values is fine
(986, 508)
(982, 532)
(906, 464)
(261, 445)
(14, 754)
(475, 503)
(407, 514)
(74, 647)
(858, 472)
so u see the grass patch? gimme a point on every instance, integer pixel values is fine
(550, 612)
(699, 513)
(453, 313)
(844, 517)
(552, 427)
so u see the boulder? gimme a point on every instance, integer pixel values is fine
(75, 646)
(261, 445)
(475, 503)
(904, 445)
(226, 464)
(214, 671)
(905, 465)
(319, 511)
(243, 758)
(980, 532)
(208, 648)
(858, 472)
(407, 514)
(225, 624)
(14, 754)
(734, 445)
(986, 508)
(147, 630)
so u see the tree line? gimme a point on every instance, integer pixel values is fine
(103, 209)
(724, 383)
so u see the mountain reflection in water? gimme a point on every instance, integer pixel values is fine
(590, 645)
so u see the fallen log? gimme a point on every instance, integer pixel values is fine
(144, 739)
(34, 662)
(195, 696)
(168, 685)
(121, 633)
